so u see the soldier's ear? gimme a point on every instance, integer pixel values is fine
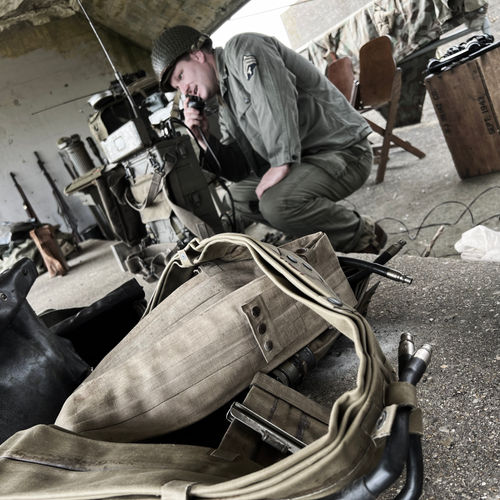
(198, 56)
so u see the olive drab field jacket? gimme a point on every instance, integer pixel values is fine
(277, 104)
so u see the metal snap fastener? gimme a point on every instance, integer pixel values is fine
(255, 311)
(381, 419)
(268, 345)
(3, 296)
(262, 328)
(307, 266)
(335, 301)
(292, 259)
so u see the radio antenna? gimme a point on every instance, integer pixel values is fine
(118, 76)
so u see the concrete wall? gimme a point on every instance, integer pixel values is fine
(42, 67)
(304, 21)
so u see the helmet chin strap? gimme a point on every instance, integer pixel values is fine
(213, 67)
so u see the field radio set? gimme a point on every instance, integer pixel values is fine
(151, 188)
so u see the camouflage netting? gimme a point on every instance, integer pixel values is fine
(412, 25)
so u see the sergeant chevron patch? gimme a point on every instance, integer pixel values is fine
(249, 65)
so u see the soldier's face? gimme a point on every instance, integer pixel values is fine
(195, 76)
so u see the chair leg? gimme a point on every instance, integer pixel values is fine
(391, 120)
(397, 141)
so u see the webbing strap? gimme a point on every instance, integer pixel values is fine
(401, 394)
(384, 424)
(346, 444)
(175, 490)
(153, 191)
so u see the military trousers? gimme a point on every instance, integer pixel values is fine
(307, 199)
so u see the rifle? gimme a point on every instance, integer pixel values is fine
(63, 208)
(26, 203)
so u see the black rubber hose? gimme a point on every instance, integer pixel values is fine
(397, 447)
(412, 490)
(383, 258)
(373, 267)
(394, 457)
(406, 350)
(389, 468)
(417, 365)
(412, 372)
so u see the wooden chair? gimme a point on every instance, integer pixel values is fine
(341, 73)
(379, 83)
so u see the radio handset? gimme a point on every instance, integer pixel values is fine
(196, 103)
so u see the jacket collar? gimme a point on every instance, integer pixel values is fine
(221, 70)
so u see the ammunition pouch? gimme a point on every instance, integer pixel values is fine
(125, 222)
(200, 343)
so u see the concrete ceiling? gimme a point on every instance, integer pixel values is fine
(138, 21)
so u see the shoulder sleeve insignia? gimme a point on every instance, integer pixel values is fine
(249, 65)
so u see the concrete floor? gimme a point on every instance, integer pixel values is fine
(452, 305)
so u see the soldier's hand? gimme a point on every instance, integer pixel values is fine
(271, 177)
(196, 121)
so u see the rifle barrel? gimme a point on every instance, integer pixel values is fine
(64, 209)
(26, 203)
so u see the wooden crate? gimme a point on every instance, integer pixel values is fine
(466, 99)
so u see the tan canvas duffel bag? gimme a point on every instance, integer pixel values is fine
(339, 446)
(201, 343)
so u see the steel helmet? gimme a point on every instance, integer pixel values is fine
(172, 44)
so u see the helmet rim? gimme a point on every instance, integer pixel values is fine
(172, 44)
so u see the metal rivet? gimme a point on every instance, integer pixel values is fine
(335, 301)
(255, 311)
(381, 419)
(262, 328)
(292, 259)
(268, 345)
(3, 296)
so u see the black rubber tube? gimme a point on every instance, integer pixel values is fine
(383, 258)
(389, 468)
(411, 370)
(373, 267)
(412, 490)
(394, 457)
(397, 450)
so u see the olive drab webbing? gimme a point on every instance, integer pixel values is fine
(348, 448)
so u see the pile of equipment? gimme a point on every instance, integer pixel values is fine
(233, 327)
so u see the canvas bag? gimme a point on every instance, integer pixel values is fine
(41, 462)
(202, 341)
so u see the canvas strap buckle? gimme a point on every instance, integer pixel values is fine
(270, 433)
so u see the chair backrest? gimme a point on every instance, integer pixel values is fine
(376, 71)
(340, 72)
